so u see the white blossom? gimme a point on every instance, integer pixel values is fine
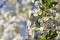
(33, 1)
(46, 18)
(11, 19)
(18, 37)
(37, 3)
(1, 21)
(41, 28)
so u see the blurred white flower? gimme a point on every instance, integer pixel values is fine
(46, 18)
(3, 11)
(5, 24)
(57, 16)
(12, 19)
(18, 37)
(17, 6)
(28, 1)
(11, 27)
(29, 14)
(51, 17)
(5, 15)
(11, 3)
(37, 3)
(1, 21)
(41, 29)
(35, 14)
(40, 1)
(33, 1)
(52, 11)
(5, 37)
(5, 32)
(28, 23)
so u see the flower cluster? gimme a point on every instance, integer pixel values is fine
(42, 16)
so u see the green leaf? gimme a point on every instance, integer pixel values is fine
(54, 35)
(38, 23)
(54, 3)
(20, 10)
(35, 28)
(11, 22)
(37, 38)
(46, 3)
(41, 15)
(42, 8)
(4, 18)
(43, 37)
(50, 33)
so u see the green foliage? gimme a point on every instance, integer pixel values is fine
(4, 18)
(48, 3)
(41, 15)
(0, 35)
(35, 28)
(11, 22)
(38, 23)
(43, 37)
(20, 10)
(54, 3)
(42, 8)
(37, 38)
(51, 34)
